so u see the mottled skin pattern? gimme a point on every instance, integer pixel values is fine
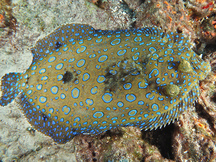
(88, 81)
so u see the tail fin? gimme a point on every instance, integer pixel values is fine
(9, 88)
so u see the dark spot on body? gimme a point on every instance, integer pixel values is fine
(111, 82)
(27, 80)
(67, 77)
(58, 45)
(109, 76)
(44, 117)
(117, 75)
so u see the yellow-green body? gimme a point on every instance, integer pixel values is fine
(88, 81)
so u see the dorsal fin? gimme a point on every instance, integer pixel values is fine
(70, 32)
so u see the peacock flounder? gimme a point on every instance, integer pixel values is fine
(87, 81)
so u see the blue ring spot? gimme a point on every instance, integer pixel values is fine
(108, 109)
(132, 112)
(81, 49)
(66, 110)
(127, 86)
(42, 99)
(147, 95)
(141, 103)
(101, 79)
(51, 110)
(130, 97)
(99, 40)
(75, 93)
(29, 91)
(59, 77)
(43, 70)
(33, 68)
(65, 49)
(154, 56)
(97, 67)
(54, 89)
(136, 56)
(98, 114)
(86, 76)
(114, 118)
(80, 63)
(92, 55)
(89, 101)
(138, 39)
(43, 78)
(121, 52)
(71, 60)
(94, 90)
(77, 118)
(107, 97)
(102, 58)
(95, 122)
(155, 107)
(120, 104)
(62, 96)
(142, 85)
(152, 49)
(153, 71)
(59, 66)
(115, 42)
(51, 59)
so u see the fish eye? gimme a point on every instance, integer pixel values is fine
(172, 90)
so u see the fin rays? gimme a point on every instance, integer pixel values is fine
(9, 87)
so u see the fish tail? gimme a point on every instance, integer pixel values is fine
(200, 66)
(9, 88)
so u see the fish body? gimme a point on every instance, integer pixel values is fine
(87, 81)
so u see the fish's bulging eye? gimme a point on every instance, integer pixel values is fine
(67, 77)
(172, 90)
(185, 66)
